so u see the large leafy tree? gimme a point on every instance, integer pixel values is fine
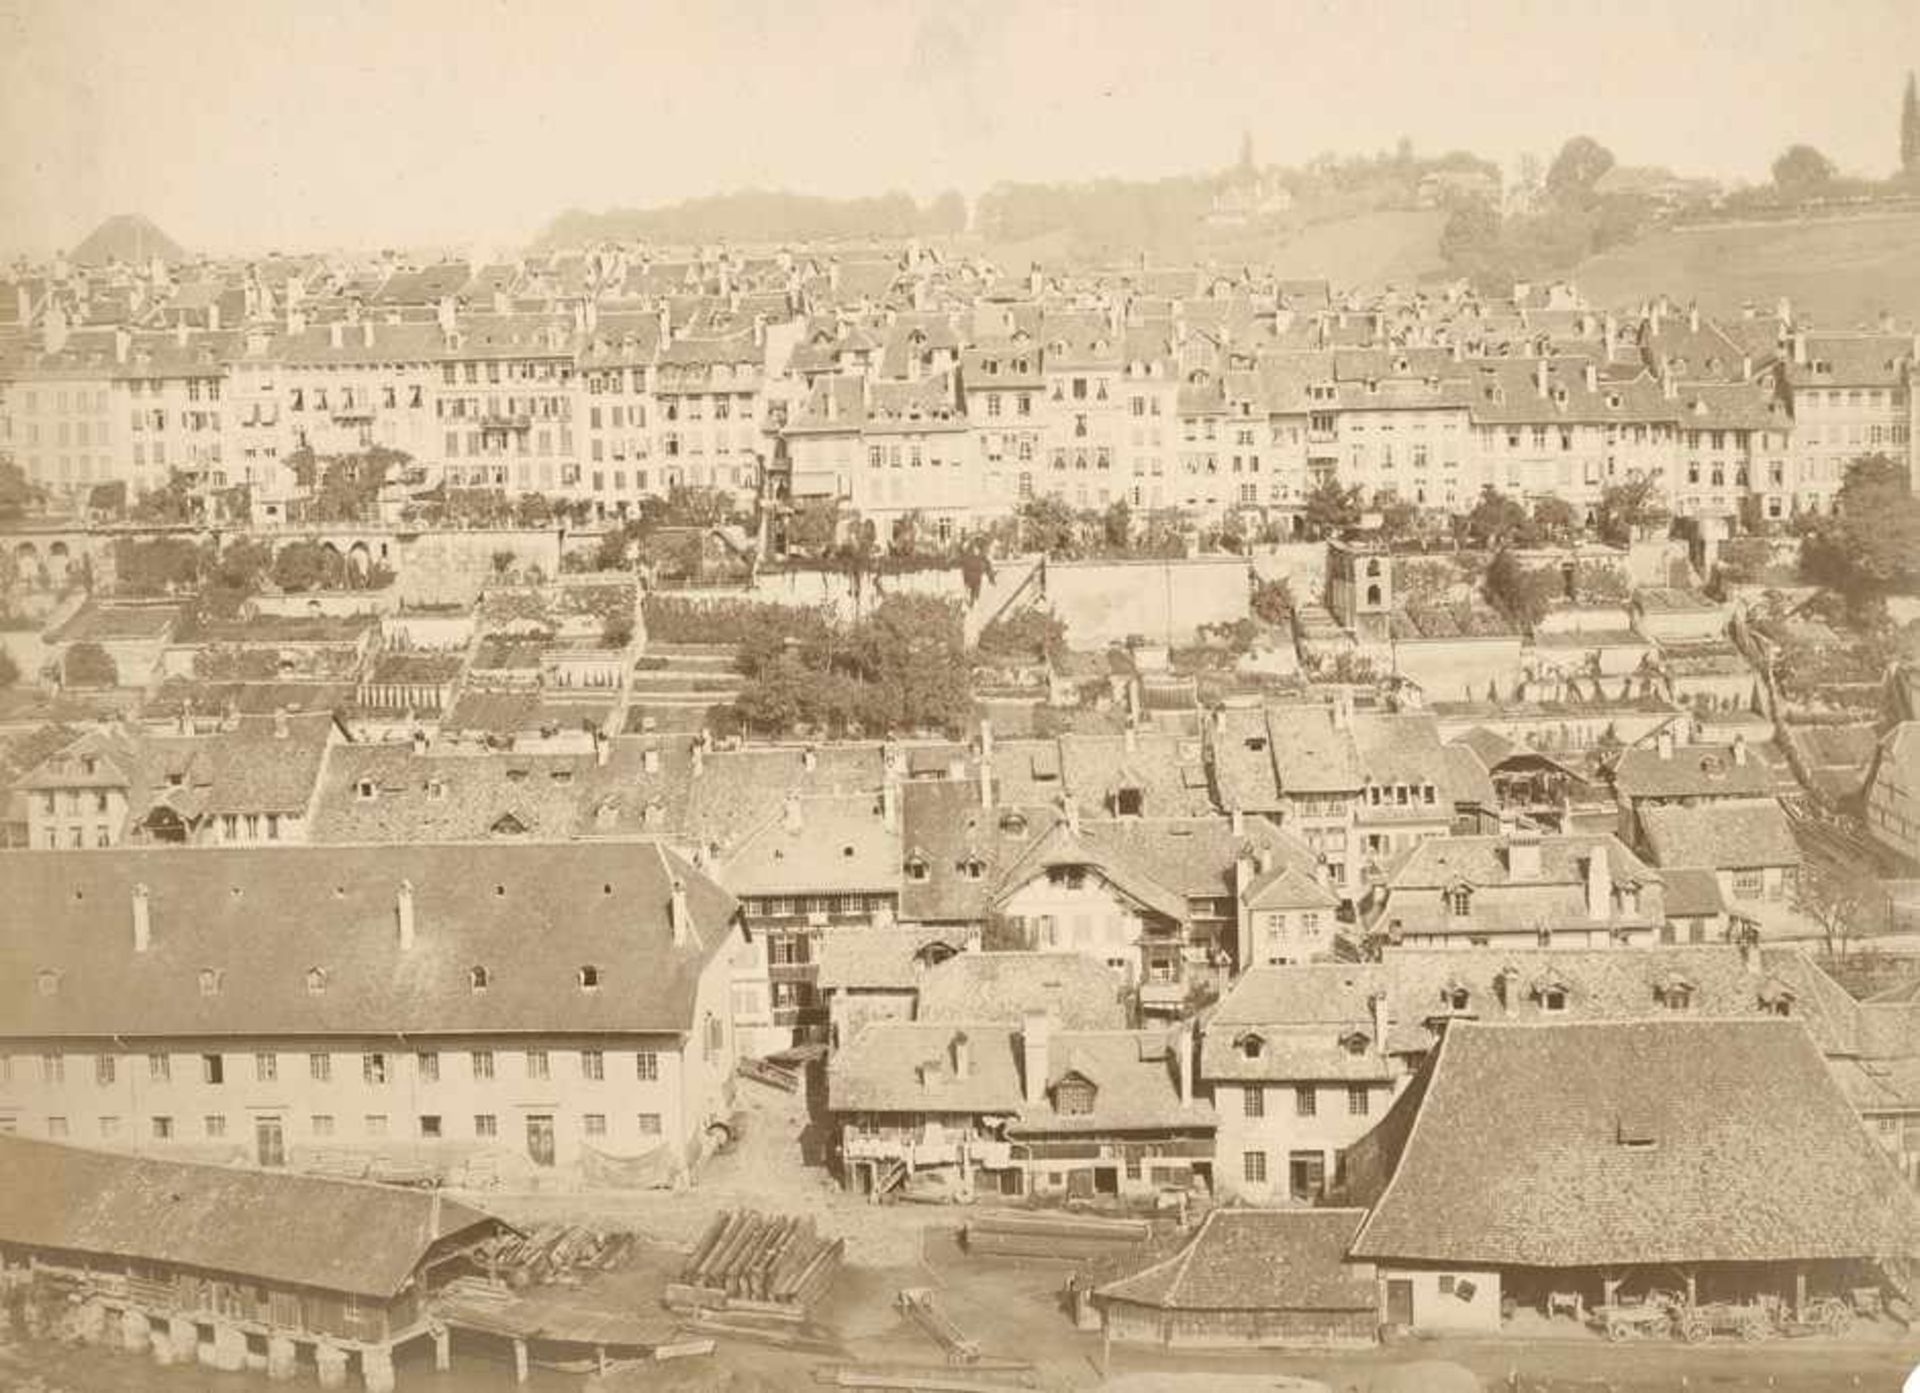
(1523, 595)
(1910, 129)
(1628, 510)
(1870, 544)
(1577, 168)
(1499, 520)
(1330, 509)
(1802, 172)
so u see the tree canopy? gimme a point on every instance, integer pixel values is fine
(1869, 545)
(1577, 168)
(1802, 171)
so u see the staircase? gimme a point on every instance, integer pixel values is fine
(1016, 584)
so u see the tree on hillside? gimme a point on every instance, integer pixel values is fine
(1801, 172)
(1577, 168)
(1498, 521)
(1330, 509)
(1629, 509)
(947, 214)
(1555, 520)
(1869, 545)
(1910, 129)
(1522, 595)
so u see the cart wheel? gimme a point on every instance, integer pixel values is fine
(1754, 1331)
(1695, 1332)
(1617, 1331)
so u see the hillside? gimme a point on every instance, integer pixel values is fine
(1840, 273)
(1363, 252)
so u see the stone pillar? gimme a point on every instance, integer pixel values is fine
(183, 1340)
(376, 1367)
(135, 1335)
(442, 1349)
(332, 1362)
(282, 1357)
(229, 1348)
(519, 1361)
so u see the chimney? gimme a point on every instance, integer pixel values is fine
(986, 764)
(677, 917)
(366, 334)
(403, 905)
(1593, 377)
(1599, 884)
(1237, 820)
(961, 1050)
(296, 320)
(833, 398)
(1523, 854)
(1609, 334)
(1132, 739)
(280, 723)
(1800, 347)
(1540, 377)
(142, 919)
(182, 333)
(1740, 749)
(337, 334)
(602, 749)
(122, 343)
(1183, 1061)
(890, 804)
(1262, 859)
(699, 759)
(1693, 318)
(665, 317)
(1663, 742)
(1382, 1021)
(1343, 709)
(1070, 811)
(1746, 367)
(650, 761)
(1322, 873)
(419, 742)
(810, 759)
(791, 819)
(1036, 1032)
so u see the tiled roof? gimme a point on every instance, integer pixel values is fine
(840, 844)
(530, 914)
(885, 959)
(1258, 1260)
(1850, 360)
(1713, 771)
(943, 823)
(1721, 836)
(143, 1209)
(1518, 1154)
(1692, 892)
(736, 790)
(1080, 992)
(251, 765)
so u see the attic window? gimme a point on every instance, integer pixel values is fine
(478, 979)
(1635, 1131)
(1613, 400)
(1256, 743)
(1354, 1042)
(1459, 900)
(175, 778)
(48, 981)
(1251, 1046)
(589, 978)
(1553, 999)
(436, 790)
(1458, 998)
(1129, 801)
(209, 981)
(88, 764)
(562, 776)
(1013, 822)
(1073, 1096)
(847, 851)
(316, 981)
(973, 868)
(365, 789)
(916, 868)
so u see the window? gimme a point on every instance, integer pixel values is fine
(1307, 1174)
(376, 1124)
(646, 1066)
(321, 1124)
(213, 1069)
(1306, 1102)
(209, 982)
(428, 1063)
(594, 1124)
(103, 1069)
(320, 1067)
(215, 1125)
(1253, 1100)
(1554, 999)
(485, 1124)
(593, 1065)
(537, 1064)
(649, 1124)
(478, 978)
(373, 1068)
(589, 978)
(159, 1068)
(266, 1067)
(429, 1125)
(163, 1129)
(482, 1064)
(1748, 884)
(1358, 1100)
(1459, 900)
(316, 981)
(1253, 1167)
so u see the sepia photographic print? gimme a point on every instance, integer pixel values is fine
(959, 696)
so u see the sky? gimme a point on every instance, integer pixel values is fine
(308, 124)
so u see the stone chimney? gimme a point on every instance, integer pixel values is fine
(790, 816)
(366, 334)
(1237, 821)
(650, 761)
(986, 764)
(447, 315)
(1599, 884)
(1799, 347)
(890, 804)
(1693, 318)
(960, 1052)
(1663, 742)
(1540, 377)
(1036, 1037)
(419, 742)
(280, 723)
(1382, 1014)
(182, 333)
(122, 343)
(1523, 854)
(1183, 1061)
(337, 335)
(296, 319)
(1669, 388)
(142, 919)
(1593, 377)
(678, 918)
(1740, 750)
(403, 906)
(810, 759)
(699, 759)
(1343, 709)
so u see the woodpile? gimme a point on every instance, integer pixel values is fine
(762, 1263)
(554, 1253)
(767, 1072)
(1012, 1233)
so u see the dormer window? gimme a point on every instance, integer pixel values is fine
(973, 868)
(589, 978)
(1553, 999)
(365, 790)
(1459, 900)
(1129, 801)
(917, 868)
(209, 981)
(1073, 1096)
(316, 981)
(1251, 1046)
(47, 981)
(478, 979)
(1458, 998)
(1014, 822)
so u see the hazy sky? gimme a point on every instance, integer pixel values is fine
(260, 124)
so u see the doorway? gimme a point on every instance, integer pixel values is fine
(1399, 1302)
(540, 1138)
(270, 1143)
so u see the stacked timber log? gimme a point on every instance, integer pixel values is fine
(1012, 1233)
(554, 1253)
(764, 1263)
(767, 1072)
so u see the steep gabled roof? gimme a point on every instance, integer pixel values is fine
(1258, 1260)
(1514, 1152)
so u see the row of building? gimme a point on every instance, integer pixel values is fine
(905, 384)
